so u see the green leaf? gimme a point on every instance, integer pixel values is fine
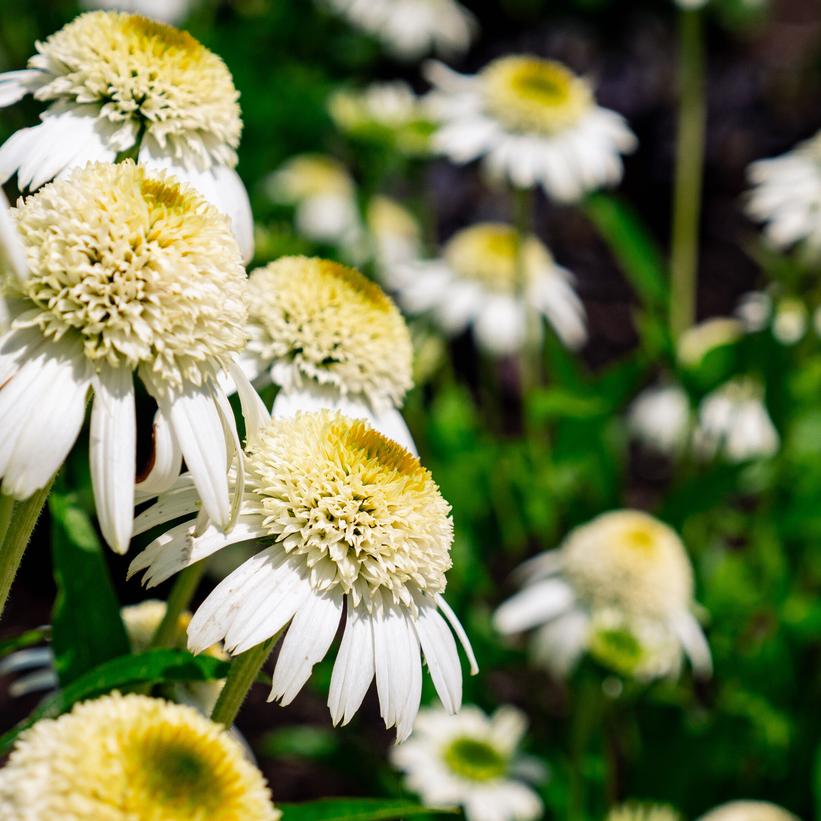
(87, 627)
(145, 668)
(352, 809)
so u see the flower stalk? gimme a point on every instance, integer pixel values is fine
(185, 585)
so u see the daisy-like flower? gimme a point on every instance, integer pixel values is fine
(620, 587)
(167, 11)
(409, 29)
(749, 811)
(118, 82)
(394, 232)
(489, 279)
(127, 273)
(786, 197)
(533, 122)
(345, 518)
(643, 812)
(124, 757)
(659, 418)
(329, 338)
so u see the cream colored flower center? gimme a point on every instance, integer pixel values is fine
(493, 255)
(320, 321)
(148, 74)
(474, 759)
(360, 510)
(631, 563)
(142, 269)
(528, 94)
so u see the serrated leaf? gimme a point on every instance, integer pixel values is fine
(353, 809)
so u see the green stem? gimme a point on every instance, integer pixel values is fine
(586, 714)
(6, 508)
(689, 172)
(17, 535)
(243, 673)
(185, 585)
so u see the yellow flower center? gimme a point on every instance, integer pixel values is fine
(528, 94)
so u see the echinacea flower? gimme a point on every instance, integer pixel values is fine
(620, 586)
(345, 519)
(469, 760)
(117, 83)
(786, 197)
(166, 11)
(395, 234)
(129, 274)
(749, 811)
(634, 811)
(660, 418)
(409, 29)
(488, 278)
(329, 338)
(120, 758)
(532, 122)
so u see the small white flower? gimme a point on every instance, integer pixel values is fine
(409, 29)
(344, 518)
(620, 587)
(128, 273)
(166, 11)
(490, 280)
(733, 421)
(749, 811)
(533, 122)
(329, 338)
(395, 234)
(660, 418)
(691, 4)
(786, 196)
(788, 316)
(115, 82)
(469, 760)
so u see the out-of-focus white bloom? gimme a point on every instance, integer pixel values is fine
(749, 811)
(660, 418)
(329, 338)
(786, 196)
(410, 29)
(469, 760)
(691, 4)
(533, 122)
(491, 280)
(394, 232)
(788, 315)
(733, 421)
(166, 11)
(620, 587)
(115, 82)
(643, 812)
(344, 518)
(699, 340)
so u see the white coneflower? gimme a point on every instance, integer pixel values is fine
(129, 273)
(786, 196)
(345, 518)
(329, 338)
(469, 760)
(787, 316)
(120, 758)
(621, 587)
(12, 253)
(749, 811)
(659, 418)
(412, 28)
(167, 11)
(733, 421)
(489, 279)
(533, 122)
(118, 82)
(395, 234)
(643, 812)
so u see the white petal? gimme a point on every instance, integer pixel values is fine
(560, 643)
(26, 659)
(500, 326)
(457, 628)
(253, 408)
(536, 604)
(12, 253)
(354, 667)
(695, 645)
(441, 656)
(391, 423)
(14, 85)
(173, 504)
(166, 460)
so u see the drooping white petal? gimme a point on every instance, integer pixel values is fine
(457, 628)
(441, 655)
(253, 408)
(175, 503)
(12, 253)
(354, 667)
(500, 326)
(559, 644)
(695, 645)
(166, 460)
(14, 85)
(26, 659)
(391, 423)
(536, 604)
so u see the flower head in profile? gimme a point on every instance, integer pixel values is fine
(533, 122)
(124, 757)
(470, 760)
(749, 811)
(128, 274)
(117, 82)
(620, 587)
(635, 811)
(410, 29)
(329, 337)
(344, 518)
(488, 279)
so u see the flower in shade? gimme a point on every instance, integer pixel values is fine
(491, 280)
(659, 418)
(329, 338)
(344, 519)
(698, 341)
(788, 317)
(116, 83)
(128, 274)
(786, 197)
(394, 233)
(634, 811)
(409, 29)
(124, 757)
(620, 587)
(749, 811)
(533, 122)
(470, 760)
(168, 11)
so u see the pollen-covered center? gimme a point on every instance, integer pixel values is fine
(474, 759)
(146, 74)
(361, 510)
(316, 320)
(494, 255)
(528, 94)
(629, 562)
(143, 270)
